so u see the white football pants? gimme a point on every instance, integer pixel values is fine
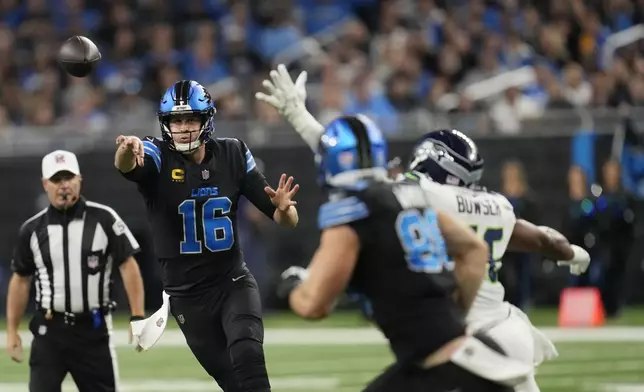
(515, 337)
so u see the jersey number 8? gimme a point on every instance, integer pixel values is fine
(217, 231)
(422, 241)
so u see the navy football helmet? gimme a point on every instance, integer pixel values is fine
(187, 98)
(351, 148)
(447, 157)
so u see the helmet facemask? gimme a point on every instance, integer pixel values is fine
(191, 129)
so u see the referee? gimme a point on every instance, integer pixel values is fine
(71, 248)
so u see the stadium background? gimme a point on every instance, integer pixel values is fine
(551, 91)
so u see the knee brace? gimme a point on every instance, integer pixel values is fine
(247, 355)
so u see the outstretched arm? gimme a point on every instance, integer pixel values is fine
(328, 274)
(276, 204)
(528, 237)
(137, 160)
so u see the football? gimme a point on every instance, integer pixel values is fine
(79, 56)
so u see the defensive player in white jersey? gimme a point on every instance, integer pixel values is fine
(449, 167)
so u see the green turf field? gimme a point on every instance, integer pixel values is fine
(320, 357)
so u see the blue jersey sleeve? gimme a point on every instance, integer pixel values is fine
(152, 164)
(342, 212)
(254, 184)
(153, 153)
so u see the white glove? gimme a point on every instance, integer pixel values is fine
(290, 101)
(579, 262)
(296, 271)
(580, 259)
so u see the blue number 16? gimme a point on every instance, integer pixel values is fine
(217, 231)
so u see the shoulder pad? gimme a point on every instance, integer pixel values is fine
(229, 140)
(408, 177)
(341, 212)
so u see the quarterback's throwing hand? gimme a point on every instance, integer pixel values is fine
(282, 197)
(133, 144)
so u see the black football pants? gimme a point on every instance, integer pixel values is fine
(225, 332)
(447, 377)
(64, 345)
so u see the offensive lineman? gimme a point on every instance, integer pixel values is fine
(191, 183)
(489, 214)
(386, 241)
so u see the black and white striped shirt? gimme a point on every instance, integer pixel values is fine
(72, 254)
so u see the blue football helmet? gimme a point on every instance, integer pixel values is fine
(187, 98)
(350, 149)
(448, 157)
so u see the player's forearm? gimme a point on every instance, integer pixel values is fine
(308, 127)
(305, 305)
(527, 237)
(124, 159)
(288, 218)
(469, 271)
(557, 249)
(17, 299)
(470, 255)
(133, 284)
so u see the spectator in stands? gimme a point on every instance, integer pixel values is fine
(618, 235)
(516, 271)
(441, 47)
(581, 226)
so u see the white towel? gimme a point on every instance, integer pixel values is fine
(544, 349)
(148, 331)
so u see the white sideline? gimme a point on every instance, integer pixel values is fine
(368, 336)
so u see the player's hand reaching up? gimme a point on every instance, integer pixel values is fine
(282, 197)
(134, 145)
(286, 96)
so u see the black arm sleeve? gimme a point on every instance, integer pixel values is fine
(121, 241)
(23, 258)
(254, 184)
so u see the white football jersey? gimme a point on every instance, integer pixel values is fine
(492, 217)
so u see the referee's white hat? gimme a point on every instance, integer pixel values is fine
(58, 161)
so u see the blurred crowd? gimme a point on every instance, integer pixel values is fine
(385, 58)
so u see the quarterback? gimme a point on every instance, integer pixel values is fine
(191, 183)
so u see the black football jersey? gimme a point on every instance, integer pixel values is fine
(192, 209)
(403, 267)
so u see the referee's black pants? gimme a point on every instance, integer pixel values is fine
(224, 330)
(72, 345)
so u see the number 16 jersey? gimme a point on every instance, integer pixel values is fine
(192, 210)
(492, 217)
